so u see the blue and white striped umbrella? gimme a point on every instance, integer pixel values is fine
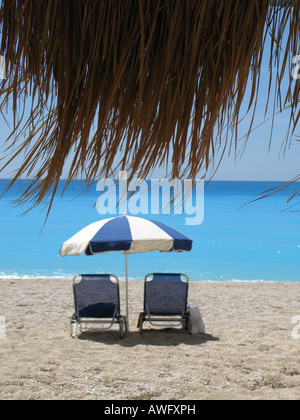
(130, 235)
(127, 234)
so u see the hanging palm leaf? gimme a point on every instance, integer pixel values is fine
(151, 82)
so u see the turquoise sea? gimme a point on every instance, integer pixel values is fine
(256, 242)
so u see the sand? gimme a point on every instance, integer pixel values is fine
(251, 349)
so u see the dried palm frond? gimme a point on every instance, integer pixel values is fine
(132, 84)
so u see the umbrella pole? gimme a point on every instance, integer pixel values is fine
(127, 310)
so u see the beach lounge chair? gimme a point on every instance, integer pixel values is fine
(97, 301)
(165, 301)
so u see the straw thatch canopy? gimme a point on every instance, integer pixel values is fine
(132, 84)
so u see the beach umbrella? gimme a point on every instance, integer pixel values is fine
(127, 234)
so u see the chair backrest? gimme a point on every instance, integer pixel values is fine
(96, 296)
(166, 294)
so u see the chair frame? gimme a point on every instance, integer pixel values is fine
(77, 321)
(182, 319)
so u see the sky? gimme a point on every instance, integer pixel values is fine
(264, 158)
(261, 161)
(257, 163)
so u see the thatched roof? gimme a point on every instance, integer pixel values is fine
(146, 80)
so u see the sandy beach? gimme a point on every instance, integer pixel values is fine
(251, 349)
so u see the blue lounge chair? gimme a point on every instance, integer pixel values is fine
(165, 300)
(97, 301)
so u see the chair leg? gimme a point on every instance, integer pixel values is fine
(73, 327)
(140, 322)
(125, 325)
(122, 324)
(187, 323)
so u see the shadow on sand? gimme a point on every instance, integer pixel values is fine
(155, 337)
